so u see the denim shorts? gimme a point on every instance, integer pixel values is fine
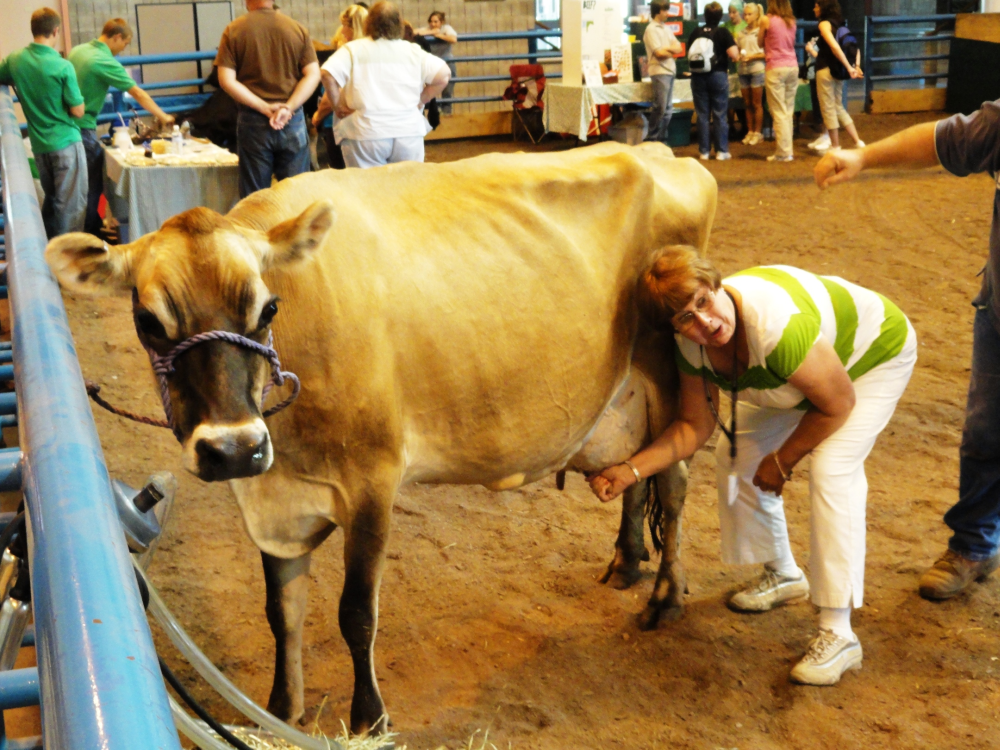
(752, 80)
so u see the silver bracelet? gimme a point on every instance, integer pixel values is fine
(638, 476)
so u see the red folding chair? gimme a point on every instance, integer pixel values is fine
(527, 84)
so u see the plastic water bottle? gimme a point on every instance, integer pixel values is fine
(177, 141)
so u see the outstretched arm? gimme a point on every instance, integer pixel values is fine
(679, 441)
(913, 147)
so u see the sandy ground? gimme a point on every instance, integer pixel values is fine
(491, 615)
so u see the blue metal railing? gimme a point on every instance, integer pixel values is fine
(97, 680)
(121, 103)
(870, 60)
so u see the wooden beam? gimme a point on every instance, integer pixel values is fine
(66, 34)
(887, 101)
(471, 125)
(982, 27)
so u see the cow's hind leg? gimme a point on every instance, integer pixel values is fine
(630, 548)
(287, 583)
(667, 602)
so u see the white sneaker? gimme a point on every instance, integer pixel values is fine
(757, 138)
(859, 144)
(768, 591)
(823, 142)
(748, 139)
(704, 157)
(723, 155)
(775, 157)
(828, 657)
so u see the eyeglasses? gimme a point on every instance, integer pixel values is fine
(685, 320)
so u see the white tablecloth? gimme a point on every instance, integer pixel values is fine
(568, 109)
(145, 197)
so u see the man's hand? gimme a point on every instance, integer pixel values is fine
(839, 166)
(280, 116)
(166, 121)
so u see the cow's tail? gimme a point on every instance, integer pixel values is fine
(654, 513)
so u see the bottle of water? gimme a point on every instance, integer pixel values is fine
(177, 141)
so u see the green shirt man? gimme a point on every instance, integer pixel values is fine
(97, 70)
(52, 103)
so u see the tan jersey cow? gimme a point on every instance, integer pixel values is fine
(470, 322)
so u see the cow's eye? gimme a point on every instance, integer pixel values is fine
(267, 314)
(150, 325)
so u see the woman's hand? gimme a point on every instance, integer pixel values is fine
(342, 110)
(856, 72)
(768, 477)
(611, 482)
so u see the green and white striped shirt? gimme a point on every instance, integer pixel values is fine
(785, 311)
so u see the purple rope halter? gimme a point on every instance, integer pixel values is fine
(164, 366)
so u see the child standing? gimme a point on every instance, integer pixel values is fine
(751, 71)
(50, 97)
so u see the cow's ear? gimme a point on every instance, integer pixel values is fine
(298, 238)
(84, 263)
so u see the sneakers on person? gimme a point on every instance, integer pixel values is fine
(775, 157)
(822, 143)
(828, 657)
(768, 591)
(859, 144)
(952, 573)
(747, 139)
(757, 138)
(723, 155)
(705, 156)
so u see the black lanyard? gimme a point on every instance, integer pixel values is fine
(731, 432)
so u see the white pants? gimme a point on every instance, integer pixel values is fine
(753, 524)
(830, 93)
(782, 83)
(365, 154)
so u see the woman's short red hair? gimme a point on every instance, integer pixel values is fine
(676, 274)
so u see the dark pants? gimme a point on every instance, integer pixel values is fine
(95, 179)
(711, 94)
(663, 107)
(265, 152)
(333, 153)
(975, 518)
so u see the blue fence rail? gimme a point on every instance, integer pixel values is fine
(121, 103)
(97, 680)
(876, 24)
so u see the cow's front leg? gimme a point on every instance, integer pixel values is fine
(667, 602)
(287, 583)
(364, 558)
(630, 548)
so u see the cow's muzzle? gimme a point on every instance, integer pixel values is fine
(218, 452)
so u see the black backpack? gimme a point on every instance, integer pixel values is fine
(849, 44)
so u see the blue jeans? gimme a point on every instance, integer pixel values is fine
(95, 179)
(975, 518)
(663, 107)
(265, 152)
(63, 175)
(711, 92)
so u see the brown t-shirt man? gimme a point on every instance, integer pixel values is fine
(268, 51)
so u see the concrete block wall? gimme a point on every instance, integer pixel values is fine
(322, 19)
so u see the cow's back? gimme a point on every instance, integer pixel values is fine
(475, 317)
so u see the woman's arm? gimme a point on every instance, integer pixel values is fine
(680, 440)
(444, 36)
(826, 31)
(823, 380)
(734, 53)
(323, 109)
(762, 30)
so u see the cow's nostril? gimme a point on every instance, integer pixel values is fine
(211, 454)
(231, 455)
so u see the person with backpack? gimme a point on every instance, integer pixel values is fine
(710, 48)
(839, 59)
(776, 35)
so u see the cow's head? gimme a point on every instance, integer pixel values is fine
(202, 272)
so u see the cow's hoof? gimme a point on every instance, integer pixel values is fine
(621, 577)
(653, 616)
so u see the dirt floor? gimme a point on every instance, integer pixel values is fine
(491, 614)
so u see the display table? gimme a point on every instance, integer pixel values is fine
(145, 197)
(569, 109)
